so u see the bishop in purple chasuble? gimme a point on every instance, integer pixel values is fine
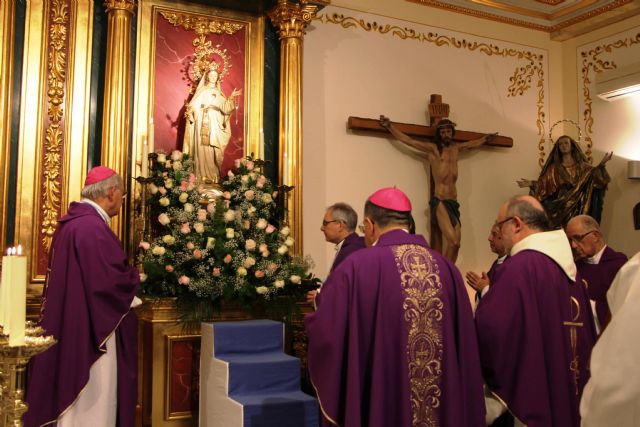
(87, 298)
(393, 342)
(535, 332)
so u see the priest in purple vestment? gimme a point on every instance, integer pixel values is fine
(597, 263)
(392, 342)
(89, 377)
(481, 282)
(535, 328)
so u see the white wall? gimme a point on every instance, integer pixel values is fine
(357, 71)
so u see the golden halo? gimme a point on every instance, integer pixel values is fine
(565, 121)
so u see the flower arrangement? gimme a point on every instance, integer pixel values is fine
(230, 248)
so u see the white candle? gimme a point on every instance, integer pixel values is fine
(151, 133)
(144, 164)
(261, 148)
(285, 169)
(14, 296)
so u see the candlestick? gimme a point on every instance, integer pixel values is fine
(144, 164)
(261, 148)
(285, 169)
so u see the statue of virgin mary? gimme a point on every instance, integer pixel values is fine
(207, 130)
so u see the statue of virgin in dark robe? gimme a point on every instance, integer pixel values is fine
(568, 185)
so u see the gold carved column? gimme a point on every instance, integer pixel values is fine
(291, 20)
(7, 11)
(117, 104)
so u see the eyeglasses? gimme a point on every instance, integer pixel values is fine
(325, 222)
(361, 228)
(580, 237)
(498, 224)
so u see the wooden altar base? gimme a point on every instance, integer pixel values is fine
(169, 361)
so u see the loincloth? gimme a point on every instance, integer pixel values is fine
(452, 207)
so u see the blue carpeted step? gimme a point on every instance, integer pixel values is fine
(262, 372)
(249, 336)
(293, 409)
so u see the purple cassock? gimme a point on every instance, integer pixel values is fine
(88, 296)
(599, 277)
(535, 332)
(393, 342)
(350, 244)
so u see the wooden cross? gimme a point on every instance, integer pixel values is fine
(437, 111)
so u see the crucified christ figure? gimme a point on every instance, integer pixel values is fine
(442, 155)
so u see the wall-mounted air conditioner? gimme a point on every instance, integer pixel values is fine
(618, 83)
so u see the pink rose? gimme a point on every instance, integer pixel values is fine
(197, 254)
(190, 246)
(202, 215)
(144, 245)
(227, 259)
(185, 229)
(262, 180)
(270, 229)
(164, 174)
(176, 155)
(259, 274)
(192, 178)
(184, 280)
(162, 190)
(246, 224)
(250, 165)
(183, 185)
(226, 195)
(169, 268)
(216, 271)
(211, 208)
(272, 267)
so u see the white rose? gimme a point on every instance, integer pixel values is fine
(162, 157)
(252, 175)
(279, 283)
(230, 233)
(295, 279)
(289, 242)
(285, 231)
(168, 239)
(249, 194)
(143, 277)
(263, 247)
(168, 183)
(266, 198)
(249, 262)
(250, 244)
(153, 188)
(202, 215)
(244, 179)
(158, 250)
(262, 290)
(177, 166)
(164, 219)
(283, 250)
(211, 242)
(183, 197)
(188, 207)
(230, 174)
(229, 215)
(251, 210)
(262, 224)
(199, 227)
(242, 271)
(164, 201)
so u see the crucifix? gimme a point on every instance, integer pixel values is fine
(440, 143)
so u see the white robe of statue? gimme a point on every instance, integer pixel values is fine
(207, 130)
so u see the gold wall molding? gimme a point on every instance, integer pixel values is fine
(593, 63)
(54, 133)
(524, 77)
(7, 22)
(291, 20)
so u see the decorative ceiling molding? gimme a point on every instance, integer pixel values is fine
(563, 19)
